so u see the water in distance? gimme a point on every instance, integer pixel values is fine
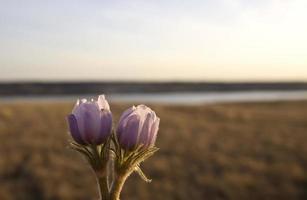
(186, 98)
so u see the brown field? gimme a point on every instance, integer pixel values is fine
(231, 151)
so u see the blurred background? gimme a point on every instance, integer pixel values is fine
(228, 78)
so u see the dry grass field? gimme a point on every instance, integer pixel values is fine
(230, 151)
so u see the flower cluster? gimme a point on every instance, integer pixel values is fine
(90, 125)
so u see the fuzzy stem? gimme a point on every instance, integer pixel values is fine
(100, 169)
(103, 188)
(118, 185)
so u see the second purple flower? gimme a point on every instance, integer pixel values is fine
(137, 126)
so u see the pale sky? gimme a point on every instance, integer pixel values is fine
(198, 40)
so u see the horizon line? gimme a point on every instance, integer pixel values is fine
(152, 81)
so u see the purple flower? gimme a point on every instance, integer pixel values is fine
(137, 126)
(90, 121)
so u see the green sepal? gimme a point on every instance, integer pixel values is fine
(128, 161)
(84, 151)
(141, 174)
(96, 155)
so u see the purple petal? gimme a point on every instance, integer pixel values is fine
(143, 110)
(88, 117)
(105, 126)
(74, 130)
(126, 113)
(91, 127)
(128, 139)
(123, 120)
(144, 137)
(154, 132)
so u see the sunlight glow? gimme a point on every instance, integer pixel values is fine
(154, 40)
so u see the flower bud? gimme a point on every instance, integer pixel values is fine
(90, 121)
(137, 126)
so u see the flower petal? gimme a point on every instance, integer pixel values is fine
(103, 103)
(142, 111)
(145, 131)
(123, 120)
(89, 118)
(154, 132)
(128, 139)
(105, 126)
(74, 130)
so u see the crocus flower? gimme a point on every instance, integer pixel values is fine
(137, 126)
(90, 121)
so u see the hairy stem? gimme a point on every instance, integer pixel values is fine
(103, 188)
(118, 185)
(100, 168)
